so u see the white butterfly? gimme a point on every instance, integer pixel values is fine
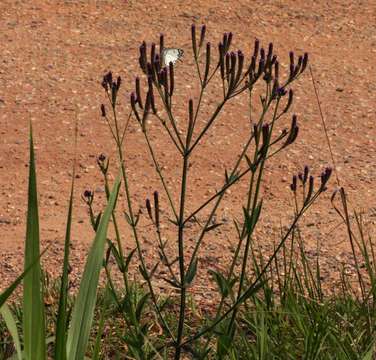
(171, 55)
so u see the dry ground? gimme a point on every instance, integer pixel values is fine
(54, 53)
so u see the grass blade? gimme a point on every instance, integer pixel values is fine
(12, 328)
(33, 306)
(62, 316)
(83, 311)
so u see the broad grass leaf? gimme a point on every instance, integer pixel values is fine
(33, 306)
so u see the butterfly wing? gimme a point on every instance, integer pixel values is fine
(171, 55)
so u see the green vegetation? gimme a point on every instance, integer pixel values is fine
(268, 307)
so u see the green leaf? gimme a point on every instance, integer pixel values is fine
(83, 311)
(12, 328)
(252, 219)
(129, 220)
(141, 305)
(62, 316)
(115, 252)
(212, 227)
(33, 306)
(191, 272)
(143, 272)
(97, 220)
(223, 284)
(128, 260)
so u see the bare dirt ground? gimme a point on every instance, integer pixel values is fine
(54, 54)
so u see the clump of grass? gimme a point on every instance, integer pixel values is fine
(268, 306)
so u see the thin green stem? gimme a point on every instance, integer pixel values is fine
(133, 225)
(181, 257)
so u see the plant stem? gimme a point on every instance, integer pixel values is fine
(181, 256)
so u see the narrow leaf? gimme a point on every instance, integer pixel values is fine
(83, 311)
(62, 318)
(191, 272)
(12, 328)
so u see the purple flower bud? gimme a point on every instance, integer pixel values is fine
(161, 45)
(292, 72)
(229, 40)
(157, 63)
(252, 67)
(138, 92)
(103, 110)
(118, 83)
(108, 77)
(221, 60)
(294, 130)
(281, 91)
(227, 63)
(152, 53)
(102, 157)
(265, 134)
(261, 67)
(224, 41)
(193, 35)
(88, 194)
(202, 35)
(289, 101)
(291, 54)
(262, 53)
(150, 72)
(256, 48)
(156, 208)
(306, 172)
(133, 105)
(172, 79)
(143, 58)
(325, 175)
(207, 63)
(104, 84)
(276, 70)
(310, 190)
(148, 208)
(240, 66)
(305, 62)
(114, 93)
(293, 184)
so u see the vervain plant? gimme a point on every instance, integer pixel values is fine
(261, 76)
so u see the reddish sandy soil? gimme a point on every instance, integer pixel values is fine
(53, 55)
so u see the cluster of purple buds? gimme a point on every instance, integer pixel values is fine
(231, 64)
(325, 176)
(299, 68)
(293, 133)
(102, 163)
(308, 180)
(254, 72)
(88, 197)
(196, 49)
(112, 86)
